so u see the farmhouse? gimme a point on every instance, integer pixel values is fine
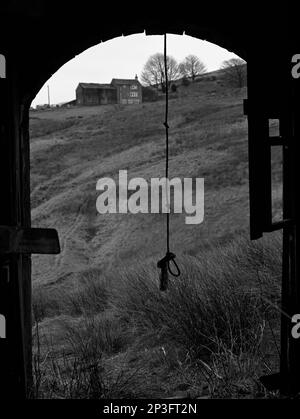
(129, 91)
(122, 91)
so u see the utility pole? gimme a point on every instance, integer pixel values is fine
(48, 89)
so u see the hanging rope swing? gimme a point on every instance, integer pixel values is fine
(165, 263)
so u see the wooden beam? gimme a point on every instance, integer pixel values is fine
(28, 240)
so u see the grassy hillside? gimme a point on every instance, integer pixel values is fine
(72, 149)
(97, 302)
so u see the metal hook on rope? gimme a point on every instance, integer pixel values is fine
(165, 263)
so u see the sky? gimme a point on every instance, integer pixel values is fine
(124, 57)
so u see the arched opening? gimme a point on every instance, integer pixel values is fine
(215, 31)
(137, 290)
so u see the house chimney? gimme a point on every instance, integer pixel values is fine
(136, 77)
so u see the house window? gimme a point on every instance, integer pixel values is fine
(133, 87)
(133, 94)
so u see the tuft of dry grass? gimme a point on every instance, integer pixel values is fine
(218, 322)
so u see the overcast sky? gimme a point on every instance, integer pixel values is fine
(124, 57)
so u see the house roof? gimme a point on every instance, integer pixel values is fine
(95, 86)
(124, 81)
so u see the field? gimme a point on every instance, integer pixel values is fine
(102, 328)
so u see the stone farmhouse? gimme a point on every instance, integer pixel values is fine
(122, 91)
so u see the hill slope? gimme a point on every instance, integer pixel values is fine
(72, 148)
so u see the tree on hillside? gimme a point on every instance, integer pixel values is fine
(235, 72)
(154, 71)
(191, 67)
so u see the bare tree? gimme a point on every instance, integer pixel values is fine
(235, 71)
(154, 70)
(192, 67)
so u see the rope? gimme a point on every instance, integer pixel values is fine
(167, 136)
(165, 263)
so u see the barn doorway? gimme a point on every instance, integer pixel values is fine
(42, 60)
(209, 139)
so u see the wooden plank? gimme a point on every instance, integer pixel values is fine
(28, 240)
(279, 225)
(25, 221)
